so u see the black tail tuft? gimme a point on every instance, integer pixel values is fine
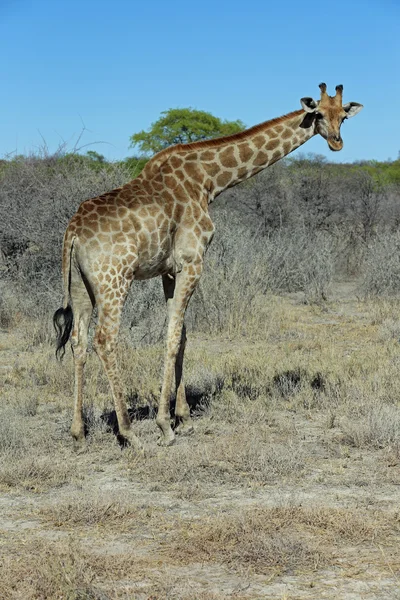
(62, 321)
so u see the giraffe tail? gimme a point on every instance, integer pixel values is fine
(63, 317)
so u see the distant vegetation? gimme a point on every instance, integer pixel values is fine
(295, 227)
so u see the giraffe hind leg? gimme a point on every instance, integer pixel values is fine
(184, 424)
(105, 344)
(82, 303)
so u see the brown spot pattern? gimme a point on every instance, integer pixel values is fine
(261, 159)
(212, 168)
(227, 158)
(176, 161)
(224, 179)
(286, 134)
(276, 155)
(272, 144)
(208, 155)
(259, 141)
(245, 152)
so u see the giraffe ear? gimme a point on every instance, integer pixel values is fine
(352, 108)
(309, 105)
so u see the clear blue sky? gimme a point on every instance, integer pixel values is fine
(115, 65)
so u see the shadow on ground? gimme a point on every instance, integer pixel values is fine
(197, 400)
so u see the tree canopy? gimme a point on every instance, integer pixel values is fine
(182, 126)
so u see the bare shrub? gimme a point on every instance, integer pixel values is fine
(241, 267)
(38, 195)
(264, 201)
(234, 276)
(9, 305)
(381, 270)
(312, 189)
(369, 194)
(301, 261)
(144, 315)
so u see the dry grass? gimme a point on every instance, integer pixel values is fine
(310, 411)
(43, 570)
(281, 538)
(100, 509)
(50, 571)
(229, 458)
(378, 427)
(34, 473)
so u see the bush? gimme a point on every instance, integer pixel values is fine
(381, 271)
(240, 268)
(38, 196)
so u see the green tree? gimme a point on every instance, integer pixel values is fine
(135, 164)
(95, 156)
(182, 126)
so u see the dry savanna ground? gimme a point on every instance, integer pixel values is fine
(288, 489)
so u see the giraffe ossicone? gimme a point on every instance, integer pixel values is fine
(158, 225)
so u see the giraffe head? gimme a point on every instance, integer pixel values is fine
(329, 114)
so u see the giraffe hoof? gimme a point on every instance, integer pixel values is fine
(133, 441)
(165, 443)
(184, 429)
(167, 438)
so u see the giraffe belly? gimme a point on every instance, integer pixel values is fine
(148, 271)
(148, 267)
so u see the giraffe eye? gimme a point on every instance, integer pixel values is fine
(319, 116)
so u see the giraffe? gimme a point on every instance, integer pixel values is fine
(158, 225)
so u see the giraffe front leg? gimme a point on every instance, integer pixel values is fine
(184, 286)
(182, 410)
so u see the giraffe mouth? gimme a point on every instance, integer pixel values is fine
(335, 145)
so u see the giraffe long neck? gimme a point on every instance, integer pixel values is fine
(243, 155)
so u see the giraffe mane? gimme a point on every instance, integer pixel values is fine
(162, 156)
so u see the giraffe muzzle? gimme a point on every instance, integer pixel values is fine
(335, 142)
